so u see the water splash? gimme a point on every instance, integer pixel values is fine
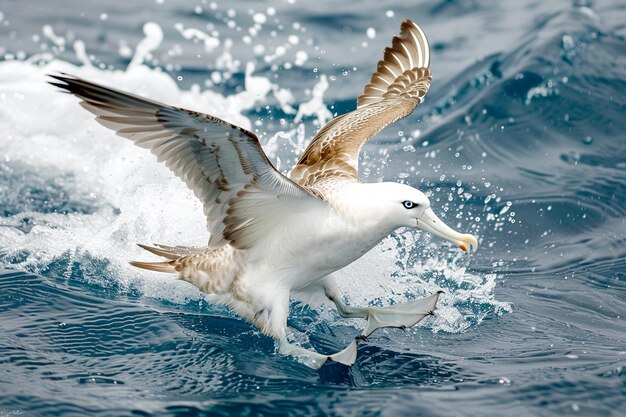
(409, 265)
(154, 37)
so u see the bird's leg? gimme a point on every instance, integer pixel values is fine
(347, 311)
(403, 315)
(314, 359)
(271, 317)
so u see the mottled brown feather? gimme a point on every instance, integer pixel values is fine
(399, 84)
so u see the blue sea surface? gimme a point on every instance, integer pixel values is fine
(521, 141)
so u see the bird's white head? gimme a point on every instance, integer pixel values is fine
(403, 206)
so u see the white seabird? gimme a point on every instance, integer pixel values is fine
(272, 235)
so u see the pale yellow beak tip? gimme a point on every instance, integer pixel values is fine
(467, 242)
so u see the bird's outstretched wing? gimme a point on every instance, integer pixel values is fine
(399, 84)
(243, 195)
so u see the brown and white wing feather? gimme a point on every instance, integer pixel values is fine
(399, 84)
(398, 74)
(243, 195)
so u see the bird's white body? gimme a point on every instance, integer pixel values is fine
(324, 239)
(298, 254)
(270, 235)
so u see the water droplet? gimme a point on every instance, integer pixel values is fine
(259, 18)
(568, 42)
(588, 140)
(179, 78)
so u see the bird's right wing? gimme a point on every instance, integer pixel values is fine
(243, 195)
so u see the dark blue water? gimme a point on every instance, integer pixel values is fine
(520, 141)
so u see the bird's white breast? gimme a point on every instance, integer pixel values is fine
(317, 243)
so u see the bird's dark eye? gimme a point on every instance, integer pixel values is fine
(409, 204)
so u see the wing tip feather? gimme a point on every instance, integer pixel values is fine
(410, 51)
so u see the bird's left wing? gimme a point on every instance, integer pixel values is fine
(243, 195)
(399, 84)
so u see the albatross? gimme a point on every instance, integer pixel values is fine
(271, 235)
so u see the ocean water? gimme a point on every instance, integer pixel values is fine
(520, 141)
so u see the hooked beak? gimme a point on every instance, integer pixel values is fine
(429, 222)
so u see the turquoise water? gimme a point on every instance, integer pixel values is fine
(520, 141)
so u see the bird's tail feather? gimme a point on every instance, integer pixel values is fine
(167, 267)
(172, 253)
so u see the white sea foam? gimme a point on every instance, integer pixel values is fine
(133, 195)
